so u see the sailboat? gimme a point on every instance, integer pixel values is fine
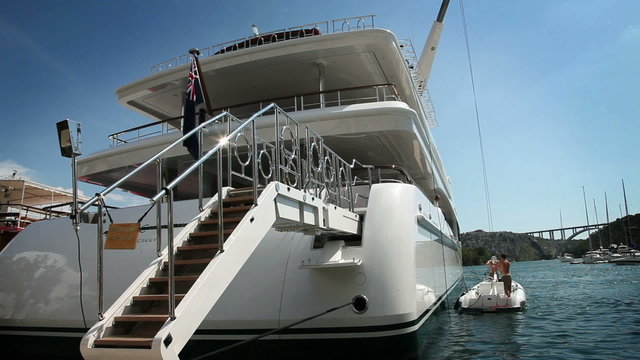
(313, 218)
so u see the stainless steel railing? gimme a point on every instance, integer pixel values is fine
(297, 157)
(287, 151)
(99, 199)
(322, 27)
(300, 102)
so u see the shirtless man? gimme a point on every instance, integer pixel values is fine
(503, 266)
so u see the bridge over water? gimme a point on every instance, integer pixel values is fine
(561, 233)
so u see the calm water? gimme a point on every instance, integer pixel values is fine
(573, 312)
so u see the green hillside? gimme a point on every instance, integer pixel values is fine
(478, 246)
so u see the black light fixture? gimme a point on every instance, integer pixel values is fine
(69, 140)
(69, 137)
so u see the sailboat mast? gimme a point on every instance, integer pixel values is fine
(431, 45)
(606, 207)
(595, 210)
(584, 197)
(626, 210)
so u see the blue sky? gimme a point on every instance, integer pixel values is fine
(558, 87)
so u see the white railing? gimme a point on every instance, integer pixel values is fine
(295, 32)
(320, 99)
(409, 53)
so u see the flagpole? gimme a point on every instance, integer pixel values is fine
(196, 53)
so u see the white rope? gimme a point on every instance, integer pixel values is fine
(475, 100)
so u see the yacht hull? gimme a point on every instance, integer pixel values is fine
(409, 267)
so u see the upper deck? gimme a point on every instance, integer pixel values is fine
(314, 58)
(357, 89)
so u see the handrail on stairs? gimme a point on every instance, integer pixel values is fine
(115, 185)
(295, 155)
(99, 198)
(308, 166)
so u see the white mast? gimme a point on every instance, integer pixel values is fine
(431, 45)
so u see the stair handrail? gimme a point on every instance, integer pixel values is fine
(99, 198)
(109, 189)
(167, 191)
(341, 178)
(168, 188)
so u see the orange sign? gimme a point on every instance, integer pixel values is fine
(122, 236)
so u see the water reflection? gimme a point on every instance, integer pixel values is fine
(573, 312)
(40, 286)
(455, 335)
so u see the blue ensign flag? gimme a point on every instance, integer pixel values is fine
(193, 100)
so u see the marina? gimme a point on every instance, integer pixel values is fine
(573, 312)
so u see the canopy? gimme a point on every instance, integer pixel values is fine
(30, 193)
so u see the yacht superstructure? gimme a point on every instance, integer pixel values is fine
(318, 186)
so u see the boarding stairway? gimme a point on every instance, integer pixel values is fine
(157, 315)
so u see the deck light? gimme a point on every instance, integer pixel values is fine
(69, 140)
(69, 137)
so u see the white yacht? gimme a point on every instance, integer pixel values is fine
(316, 222)
(598, 256)
(630, 259)
(624, 255)
(566, 257)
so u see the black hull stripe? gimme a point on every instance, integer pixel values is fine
(335, 330)
(352, 329)
(231, 332)
(80, 331)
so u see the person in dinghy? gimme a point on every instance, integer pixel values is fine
(493, 265)
(504, 266)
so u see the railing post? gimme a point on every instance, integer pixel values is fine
(321, 76)
(308, 155)
(200, 169)
(220, 207)
(299, 157)
(159, 185)
(100, 264)
(254, 155)
(228, 144)
(170, 252)
(277, 138)
(350, 188)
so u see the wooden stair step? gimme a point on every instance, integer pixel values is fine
(238, 199)
(125, 341)
(141, 318)
(197, 234)
(156, 297)
(245, 190)
(164, 279)
(198, 247)
(190, 262)
(234, 209)
(225, 220)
